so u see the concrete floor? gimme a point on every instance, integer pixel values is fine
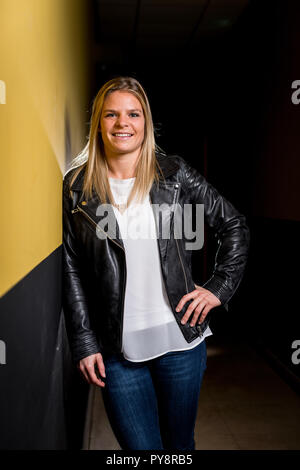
(243, 404)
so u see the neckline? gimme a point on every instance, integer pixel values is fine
(121, 180)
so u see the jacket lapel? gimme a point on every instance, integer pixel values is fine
(163, 193)
(163, 199)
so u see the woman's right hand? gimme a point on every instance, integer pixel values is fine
(87, 367)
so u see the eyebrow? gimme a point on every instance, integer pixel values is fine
(114, 110)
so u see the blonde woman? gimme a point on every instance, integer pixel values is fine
(136, 321)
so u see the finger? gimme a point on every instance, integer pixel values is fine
(94, 379)
(204, 313)
(101, 366)
(190, 309)
(185, 298)
(197, 312)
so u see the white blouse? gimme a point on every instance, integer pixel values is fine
(149, 325)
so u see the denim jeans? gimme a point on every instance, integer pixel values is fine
(153, 404)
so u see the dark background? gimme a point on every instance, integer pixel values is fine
(218, 76)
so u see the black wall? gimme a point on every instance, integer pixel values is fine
(42, 397)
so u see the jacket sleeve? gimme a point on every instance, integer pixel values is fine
(81, 337)
(231, 231)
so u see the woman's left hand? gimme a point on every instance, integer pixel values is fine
(204, 301)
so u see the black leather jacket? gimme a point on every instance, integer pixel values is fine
(94, 269)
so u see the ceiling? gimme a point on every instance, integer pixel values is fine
(146, 27)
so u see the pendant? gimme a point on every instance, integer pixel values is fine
(121, 207)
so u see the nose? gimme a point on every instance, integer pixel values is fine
(121, 121)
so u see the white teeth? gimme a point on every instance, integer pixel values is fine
(122, 135)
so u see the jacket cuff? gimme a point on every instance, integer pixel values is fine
(83, 347)
(218, 288)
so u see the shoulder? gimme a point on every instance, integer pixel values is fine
(173, 164)
(175, 160)
(169, 159)
(73, 174)
(71, 171)
(185, 173)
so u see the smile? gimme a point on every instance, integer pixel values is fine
(122, 135)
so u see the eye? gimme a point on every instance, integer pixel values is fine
(109, 114)
(134, 114)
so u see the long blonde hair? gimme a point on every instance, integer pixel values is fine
(92, 157)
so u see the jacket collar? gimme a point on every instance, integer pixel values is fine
(167, 165)
(163, 193)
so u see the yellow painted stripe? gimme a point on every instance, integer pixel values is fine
(44, 82)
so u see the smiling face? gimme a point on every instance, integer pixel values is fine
(122, 124)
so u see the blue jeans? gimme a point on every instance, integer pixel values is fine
(153, 404)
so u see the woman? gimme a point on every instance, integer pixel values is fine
(136, 321)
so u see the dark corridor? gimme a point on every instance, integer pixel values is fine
(222, 77)
(219, 77)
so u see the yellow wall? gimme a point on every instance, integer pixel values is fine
(44, 74)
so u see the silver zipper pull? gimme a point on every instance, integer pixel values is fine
(74, 210)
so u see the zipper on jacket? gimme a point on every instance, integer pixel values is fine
(184, 273)
(79, 209)
(122, 311)
(198, 326)
(185, 278)
(165, 283)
